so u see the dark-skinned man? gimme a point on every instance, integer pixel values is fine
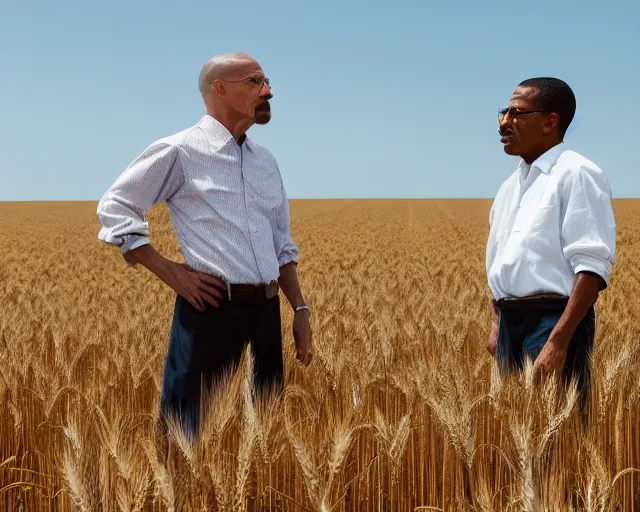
(230, 212)
(552, 239)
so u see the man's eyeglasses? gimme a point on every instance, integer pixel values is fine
(516, 112)
(257, 81)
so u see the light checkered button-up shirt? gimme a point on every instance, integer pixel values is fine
(226, 200)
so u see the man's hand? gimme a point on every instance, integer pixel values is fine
(553, 354)
(492, 340)
(302, 335)
(196, 287)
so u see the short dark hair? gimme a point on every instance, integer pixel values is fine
(555, 95)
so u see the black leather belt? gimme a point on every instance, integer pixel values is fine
(253, 293)
(539, 302)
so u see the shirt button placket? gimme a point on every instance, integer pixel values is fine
(247, 208)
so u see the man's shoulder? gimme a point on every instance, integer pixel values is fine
(183, 138)
(177, 140)
(262, 152)
(576, 170)
(572, 162)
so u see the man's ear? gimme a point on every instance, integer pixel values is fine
(218, 88)
(551, 123)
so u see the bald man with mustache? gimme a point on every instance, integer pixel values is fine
(230, 212)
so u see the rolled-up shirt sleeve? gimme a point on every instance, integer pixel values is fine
(286, 248)
(588, 227)
(154, 176)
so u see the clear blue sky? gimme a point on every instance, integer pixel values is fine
(371, 99)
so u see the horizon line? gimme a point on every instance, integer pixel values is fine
(372, 198)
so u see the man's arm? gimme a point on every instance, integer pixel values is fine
(287, 252)
(290, 285)
(286, 249)
(494, 329)
(588, 229)
(586, 288)
(588, 243)
(151, 178)
(302, 333)
(494, 325)
(585, 293)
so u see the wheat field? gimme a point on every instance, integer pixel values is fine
(400, 410)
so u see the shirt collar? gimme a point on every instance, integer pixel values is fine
(219, 132)
(545, 162)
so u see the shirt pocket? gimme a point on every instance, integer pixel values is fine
(531, 218)
(525, 218)
(267, 190)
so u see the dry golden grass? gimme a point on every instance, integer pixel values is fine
(401, 409)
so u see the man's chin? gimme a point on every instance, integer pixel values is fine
(263, 117)
(510, 149)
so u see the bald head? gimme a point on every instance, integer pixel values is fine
(223, 67)
(235, 91)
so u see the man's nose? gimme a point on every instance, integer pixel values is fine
(266, 91)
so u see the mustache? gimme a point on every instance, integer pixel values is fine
(504, 131)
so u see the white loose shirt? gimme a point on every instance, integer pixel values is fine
(548, 222)
(226, 200)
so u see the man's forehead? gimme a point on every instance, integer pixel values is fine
(523, 96)
(230, 66)
(244, 68)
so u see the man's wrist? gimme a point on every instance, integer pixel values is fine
(155, 262)
(561, 337)
(301, 307)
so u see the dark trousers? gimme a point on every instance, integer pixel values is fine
(206, 344)
(523, 334)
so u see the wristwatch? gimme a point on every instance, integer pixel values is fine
(301, 307)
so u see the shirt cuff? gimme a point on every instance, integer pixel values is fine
(287, 257)
(587, 263)
(133, 242)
